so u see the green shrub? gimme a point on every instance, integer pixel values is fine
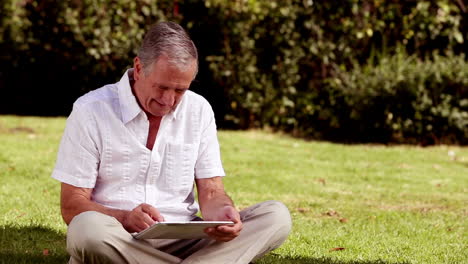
(263, 63)
(279, 60)
(62, 49)
(91, 32)
(405, 99)
(276, 58)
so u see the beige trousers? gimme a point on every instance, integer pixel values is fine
(98, 238)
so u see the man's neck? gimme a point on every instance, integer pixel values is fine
(152, 118)
(154, 122)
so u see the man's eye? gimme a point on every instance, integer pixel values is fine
(179, 91)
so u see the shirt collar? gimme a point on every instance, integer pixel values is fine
(177, 112)
(128, 102)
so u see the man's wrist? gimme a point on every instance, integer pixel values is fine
(120, 215)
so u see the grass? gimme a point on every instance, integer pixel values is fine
(351, 204)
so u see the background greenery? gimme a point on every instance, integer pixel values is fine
(350, 204)
(373, 70)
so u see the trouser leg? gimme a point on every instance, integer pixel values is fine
(265, 227)
(98, 238)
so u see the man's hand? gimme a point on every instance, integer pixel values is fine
(225, 233)
(216, 205)
(141, 217)
(75, 200)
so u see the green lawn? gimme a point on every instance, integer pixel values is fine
(350, 203)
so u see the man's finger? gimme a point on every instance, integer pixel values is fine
(232, 214)
(152, 212)
(230, 228)
(212, 232)
(140, 226)
(220, 234)
(145, 218)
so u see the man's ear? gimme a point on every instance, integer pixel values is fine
(137, 68)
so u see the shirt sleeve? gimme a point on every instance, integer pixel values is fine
(208, 164)
(78, 155)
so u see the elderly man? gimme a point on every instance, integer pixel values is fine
(130, 155)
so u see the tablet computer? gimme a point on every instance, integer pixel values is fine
(179, 230)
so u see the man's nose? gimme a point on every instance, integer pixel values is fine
(168, 97)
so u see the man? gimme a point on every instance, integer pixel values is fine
(130, 155)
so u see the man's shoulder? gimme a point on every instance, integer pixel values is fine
(196, 99)
(195, 106)
(104, 95)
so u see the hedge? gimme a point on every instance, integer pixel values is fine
(292, 65)
(402, 99)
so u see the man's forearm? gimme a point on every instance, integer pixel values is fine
(77, 206)
(216, 205)
(78, 200)
(212, 201)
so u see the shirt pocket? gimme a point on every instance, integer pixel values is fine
(178, 170)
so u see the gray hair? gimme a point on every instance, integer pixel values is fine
(170, 39)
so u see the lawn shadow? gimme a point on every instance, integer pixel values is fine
(37, 244)
(273, 258)
(34, 244)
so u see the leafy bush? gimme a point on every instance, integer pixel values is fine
(61, 49)
(277, 64)
(87, 31)
(405, 99)
(277, 59)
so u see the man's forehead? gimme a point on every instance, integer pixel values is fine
(176, 63)
(171, 85)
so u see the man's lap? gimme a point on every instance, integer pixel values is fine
(91, 229)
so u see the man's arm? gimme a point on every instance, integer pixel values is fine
(75, 200)
(216, 205)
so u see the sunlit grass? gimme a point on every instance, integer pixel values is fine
(349, 203)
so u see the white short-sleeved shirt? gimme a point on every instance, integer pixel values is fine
(104, 148)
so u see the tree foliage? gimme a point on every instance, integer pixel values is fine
(300, 66)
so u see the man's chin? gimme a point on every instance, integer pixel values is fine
(160, 112)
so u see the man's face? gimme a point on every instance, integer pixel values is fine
(161, 89)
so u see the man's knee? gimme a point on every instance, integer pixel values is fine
(279, 216)
(88, 230)
(275, 215)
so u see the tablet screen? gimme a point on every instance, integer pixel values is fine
(179, 230)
